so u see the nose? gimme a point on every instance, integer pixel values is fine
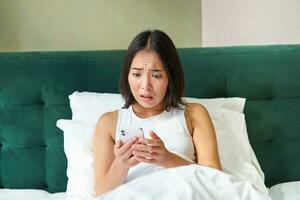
(145, 82)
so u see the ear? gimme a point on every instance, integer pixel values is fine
(154, 135)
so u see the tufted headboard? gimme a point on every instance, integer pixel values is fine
(34, 89)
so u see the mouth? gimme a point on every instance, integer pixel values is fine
(146, 98)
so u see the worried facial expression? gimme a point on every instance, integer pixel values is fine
(147, 79)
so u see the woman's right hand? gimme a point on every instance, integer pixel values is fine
(123, 153)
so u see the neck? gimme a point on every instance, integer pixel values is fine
(143, 112)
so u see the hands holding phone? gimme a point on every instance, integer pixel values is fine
(139, 149)
(123, 147)
(151, 150)
(123, 152)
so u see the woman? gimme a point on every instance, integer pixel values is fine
(175, 133)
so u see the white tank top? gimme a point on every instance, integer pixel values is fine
(170, 126)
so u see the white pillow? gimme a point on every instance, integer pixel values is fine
(78, 137)
(236, 104)
(89, 106)
(236, 154)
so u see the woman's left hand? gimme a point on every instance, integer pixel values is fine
(151, 150)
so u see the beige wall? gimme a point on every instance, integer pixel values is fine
(239, 22)
(46, 25)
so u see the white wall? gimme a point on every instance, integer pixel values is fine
(250, 22)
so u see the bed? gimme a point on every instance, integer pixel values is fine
(35, 86)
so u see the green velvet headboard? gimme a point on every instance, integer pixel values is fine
(34, 89)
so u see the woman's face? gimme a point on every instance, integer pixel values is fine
(147, 79)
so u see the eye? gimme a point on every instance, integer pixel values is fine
(156, 76)
(136, 75)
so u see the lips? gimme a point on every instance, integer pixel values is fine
(146, 98)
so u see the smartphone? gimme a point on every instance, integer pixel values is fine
(129, 133)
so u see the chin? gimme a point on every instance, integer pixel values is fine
(146, 105)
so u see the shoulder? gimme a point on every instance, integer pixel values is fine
(108, 117)
(196, 111)
(195, 114)
(107, 123)
(198, 116)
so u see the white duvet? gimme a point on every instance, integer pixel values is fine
(30, 194)
(284, 191)
(186, 182)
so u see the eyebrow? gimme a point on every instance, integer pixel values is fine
(153, 70)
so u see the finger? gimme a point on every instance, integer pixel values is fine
(146, 148)
(126, 155)
(132, 161)
(142, 154)
(149, 142)
(153, 135)
(128, 145)
(118, 145)
(145, 160)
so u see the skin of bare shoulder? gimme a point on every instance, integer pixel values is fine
(204, 136)
(103, 142)
(109, 121)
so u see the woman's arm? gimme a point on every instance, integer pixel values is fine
(112, 161)
(204, 136)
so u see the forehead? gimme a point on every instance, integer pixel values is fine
(146, 57)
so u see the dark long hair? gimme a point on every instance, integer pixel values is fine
(161, 43)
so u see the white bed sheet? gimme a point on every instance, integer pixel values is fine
(285, 191)
(28, 194)
(192, 182)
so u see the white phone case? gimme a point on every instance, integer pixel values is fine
(128, 133)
